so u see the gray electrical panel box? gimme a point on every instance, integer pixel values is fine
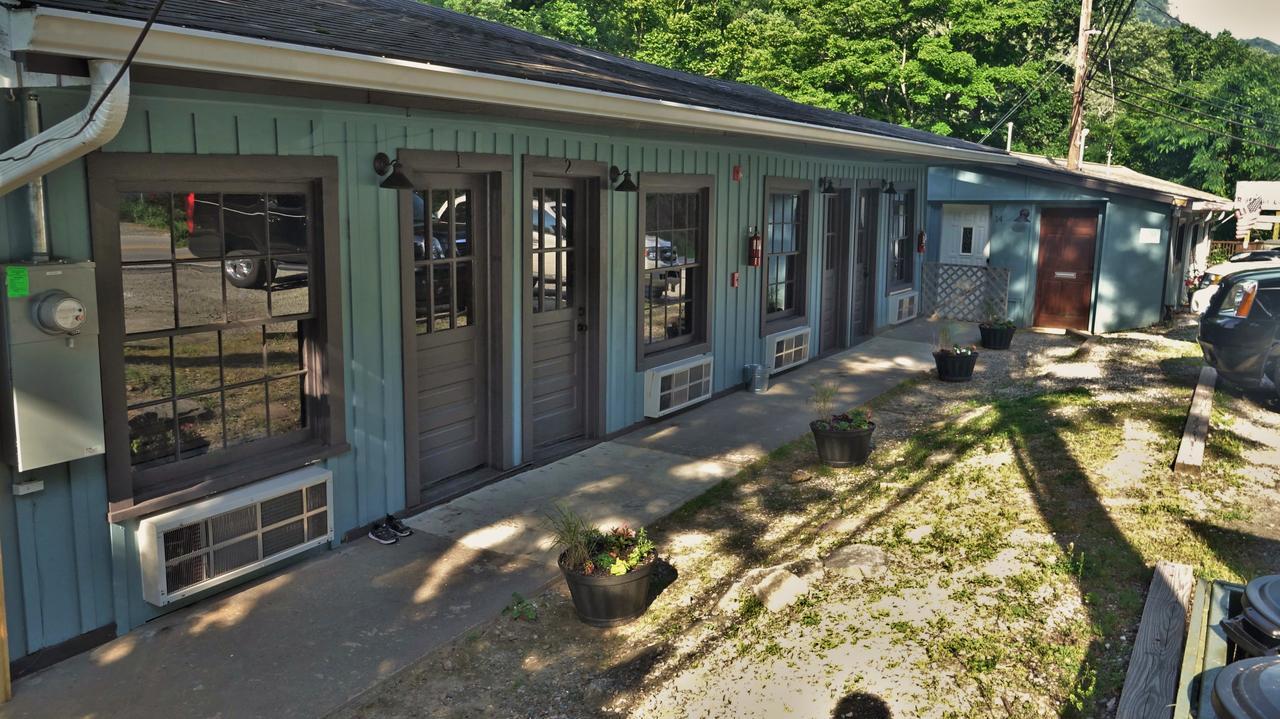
(50, 382)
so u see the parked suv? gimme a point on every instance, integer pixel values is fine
(1250, 260)
(1240, 329)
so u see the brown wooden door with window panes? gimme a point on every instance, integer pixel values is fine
(1064, 280)
(835, 286)
(450, 247)
(556, 369)
(864, 262)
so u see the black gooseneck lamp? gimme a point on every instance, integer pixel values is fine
(395, 179)
(627, 184)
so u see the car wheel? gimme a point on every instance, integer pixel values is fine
(248, 272)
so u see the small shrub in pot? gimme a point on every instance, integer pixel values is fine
(997, 330)
(955, 363)
(843, 440)
(608, 572)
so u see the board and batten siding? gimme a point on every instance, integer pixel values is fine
(67, 571)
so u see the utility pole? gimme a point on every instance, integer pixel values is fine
(1075, 151)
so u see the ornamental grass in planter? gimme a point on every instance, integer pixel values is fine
(608, 572)
(997, 330)
(954, 362)
(843, 440)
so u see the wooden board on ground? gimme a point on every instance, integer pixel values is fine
(1196, 433)
(1151, 684)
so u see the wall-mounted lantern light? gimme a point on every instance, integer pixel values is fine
(890, 190)
(627, 185)
(396, 180)
(828, 187)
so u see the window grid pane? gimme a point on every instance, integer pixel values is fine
(786, 257)
(671, 268)
(196, 331)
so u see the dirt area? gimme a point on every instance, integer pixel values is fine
(1013, 522)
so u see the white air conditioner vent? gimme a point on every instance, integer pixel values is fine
(785, 350)
(677, 385)
(904, 306)
(203, 545)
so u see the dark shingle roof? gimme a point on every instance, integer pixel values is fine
(410, 30)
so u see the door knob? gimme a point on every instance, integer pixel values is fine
(582, 326)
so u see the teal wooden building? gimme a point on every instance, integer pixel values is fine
(1099, 249)
(356, 258)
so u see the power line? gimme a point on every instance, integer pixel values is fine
(1108, 39)
(124, 67)
(1023, 99)
(1206, 115)
(1220, 104)
(1192, 125)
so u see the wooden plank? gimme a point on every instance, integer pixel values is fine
(1194, 435)
(1152, 680)
(1193, 656)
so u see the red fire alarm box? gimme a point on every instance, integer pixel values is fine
(737, 173)
(755, 248)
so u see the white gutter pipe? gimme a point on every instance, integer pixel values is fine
(75, 136)
(77, 34)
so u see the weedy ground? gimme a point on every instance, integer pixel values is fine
(1022, 514)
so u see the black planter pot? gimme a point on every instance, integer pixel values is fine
(997, 338)
(606, 600)
(955, 367)
(842, 447)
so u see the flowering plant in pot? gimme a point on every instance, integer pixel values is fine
(843, 440)
(955, 363)
(997, 330)
(608, 572)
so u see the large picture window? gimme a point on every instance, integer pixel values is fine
(215, 322)
(786, 232)
(902, 225)
(674, 255)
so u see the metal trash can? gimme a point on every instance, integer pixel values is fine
(756, 378)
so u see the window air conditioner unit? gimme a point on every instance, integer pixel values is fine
(677, 385)
(905, 306)
(212, 542)
(785, 350)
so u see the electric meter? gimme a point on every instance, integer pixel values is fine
(57, 312)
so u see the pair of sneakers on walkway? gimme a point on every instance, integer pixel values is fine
(389, 530)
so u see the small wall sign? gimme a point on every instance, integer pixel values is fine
(1149, 236)
(17, 281)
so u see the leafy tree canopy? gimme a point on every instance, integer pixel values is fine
(1165, 101)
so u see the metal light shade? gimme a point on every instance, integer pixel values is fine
(828, 188)
(890, 190)
(627, 184)
(397, 180)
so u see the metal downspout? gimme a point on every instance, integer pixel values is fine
(75, 136)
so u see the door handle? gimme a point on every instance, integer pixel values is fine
(582, 326)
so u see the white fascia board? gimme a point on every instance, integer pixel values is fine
(75, 34)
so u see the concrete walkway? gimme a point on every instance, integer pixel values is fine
(305, 641)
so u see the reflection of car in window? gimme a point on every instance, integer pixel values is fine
(548, 227)
(440, 221)
(246, 239)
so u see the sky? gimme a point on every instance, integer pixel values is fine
(1244, 18)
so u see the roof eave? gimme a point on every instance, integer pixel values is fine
(76, 34)
(1096, 183)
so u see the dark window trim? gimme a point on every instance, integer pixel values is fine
(892, 286)
(112, 173)
(782, 321)
(700, 342)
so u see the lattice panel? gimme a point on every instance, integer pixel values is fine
(967, 293)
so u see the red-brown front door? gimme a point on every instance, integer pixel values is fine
(1064, 280)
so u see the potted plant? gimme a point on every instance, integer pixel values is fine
(843, 440)
(997, 330)
(608, 573)
(955, 363)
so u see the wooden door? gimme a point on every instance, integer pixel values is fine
(557, 323)
(1064, 278)
(864, 261)
(451, 327)
(835, 271)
